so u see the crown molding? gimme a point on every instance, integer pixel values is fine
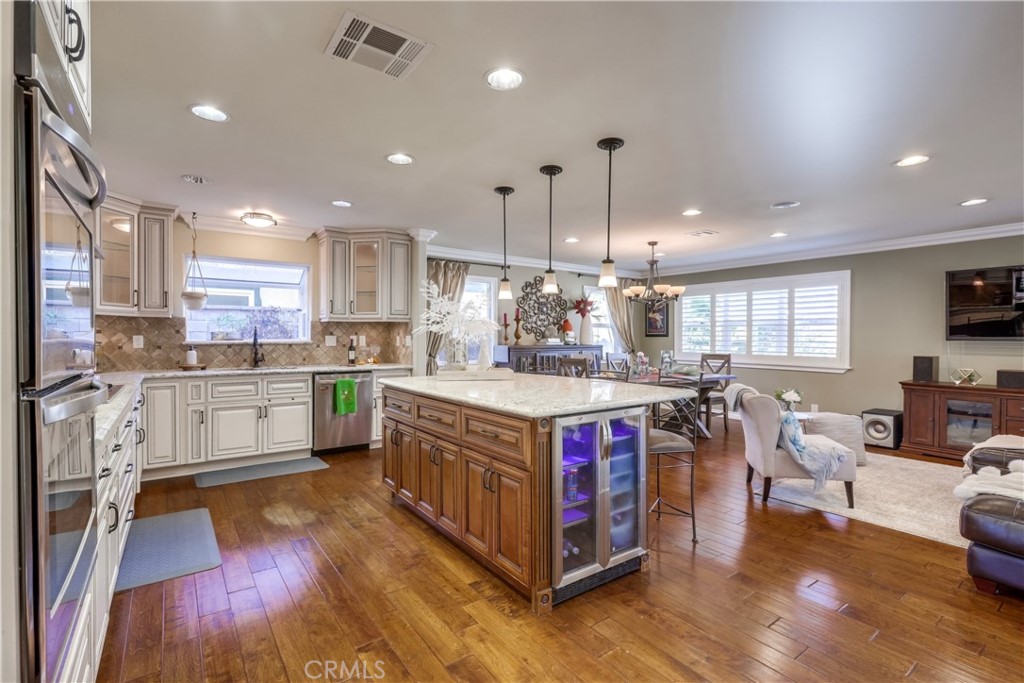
(954, 237)
(496, 259)
(237, 227)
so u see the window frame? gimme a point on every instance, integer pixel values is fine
(837, 365)
(617, 345)
(306, 325)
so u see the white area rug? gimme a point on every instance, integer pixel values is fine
(897, 493)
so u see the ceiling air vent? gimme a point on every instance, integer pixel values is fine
(378, 46)
(702, 233)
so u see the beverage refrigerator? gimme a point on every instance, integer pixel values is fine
(599, 485)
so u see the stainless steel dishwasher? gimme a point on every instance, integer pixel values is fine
(331, 430)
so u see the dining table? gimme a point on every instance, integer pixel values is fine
(702, 384)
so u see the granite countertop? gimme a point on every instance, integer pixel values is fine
(538, 395)
(108, 415)
(114, 377)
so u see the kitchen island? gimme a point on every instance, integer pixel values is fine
(540, 479)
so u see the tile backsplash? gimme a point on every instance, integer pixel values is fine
(164, 345)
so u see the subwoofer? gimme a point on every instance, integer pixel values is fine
(926, 368)
(883, 427)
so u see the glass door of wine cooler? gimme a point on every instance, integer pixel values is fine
(598, 488)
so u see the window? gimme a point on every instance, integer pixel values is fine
(601, 321)
(481, 291)
(243, 294)
(798, 322)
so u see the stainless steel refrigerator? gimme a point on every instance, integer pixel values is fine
(59, 184)
(599, 485)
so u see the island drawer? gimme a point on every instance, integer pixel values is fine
(436, 416)
(398, 406)
(233, 389)
(287, 386)
(497, 434)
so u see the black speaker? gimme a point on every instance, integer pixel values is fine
(926, 368)
(883, 427)
(1010, 379)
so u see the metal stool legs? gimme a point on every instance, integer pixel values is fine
(662, 506)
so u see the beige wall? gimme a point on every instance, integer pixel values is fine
(897, 311)
(572, 289)
(227, 244)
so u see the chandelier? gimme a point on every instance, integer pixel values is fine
(654, 293)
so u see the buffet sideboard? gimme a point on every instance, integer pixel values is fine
(542, 359)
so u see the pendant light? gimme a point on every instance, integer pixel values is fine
(505, 288)
(550, 283)
(193, 292)
(608, 278)
(79, 284)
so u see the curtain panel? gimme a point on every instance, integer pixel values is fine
(622, 313)
(450, 277)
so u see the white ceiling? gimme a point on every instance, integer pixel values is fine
(727, 107)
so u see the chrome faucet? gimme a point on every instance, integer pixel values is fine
(257, 355)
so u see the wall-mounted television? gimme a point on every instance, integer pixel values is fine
(985, 303)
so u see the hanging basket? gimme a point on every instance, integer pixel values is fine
(80, 296)
(193, 292)
(194, 301)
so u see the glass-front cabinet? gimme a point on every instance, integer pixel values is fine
(366, 281)
(116, 268)
(598, 490)
(966, 419)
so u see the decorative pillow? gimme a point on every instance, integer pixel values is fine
(791, 436)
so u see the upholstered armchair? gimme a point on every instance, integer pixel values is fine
(762, 420)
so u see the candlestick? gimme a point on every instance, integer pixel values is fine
(505, 335)
(518, 335)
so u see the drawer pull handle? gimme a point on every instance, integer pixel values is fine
(129, 467)
(434, 418)
(490, 487)
(104, 473)
(490, 432)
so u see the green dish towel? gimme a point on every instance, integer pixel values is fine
(345, 397)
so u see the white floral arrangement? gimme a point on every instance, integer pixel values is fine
(452, 318)
(790, 396)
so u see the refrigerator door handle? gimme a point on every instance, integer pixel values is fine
(84, 156)
(55, 410)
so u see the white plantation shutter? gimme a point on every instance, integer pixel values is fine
(795, 322)
(695, 320)
(731, 323)
(769, 322)
(816, 322)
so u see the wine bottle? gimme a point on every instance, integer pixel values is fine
(568, 548)
(351, 350)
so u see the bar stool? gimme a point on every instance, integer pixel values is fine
(674, 450)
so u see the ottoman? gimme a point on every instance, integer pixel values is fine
(995, 526)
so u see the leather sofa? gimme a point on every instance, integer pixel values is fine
(994, 525)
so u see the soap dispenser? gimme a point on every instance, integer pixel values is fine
(191, 356)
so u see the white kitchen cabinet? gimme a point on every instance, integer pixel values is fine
(399, 269)
(155, 227)
(53, 15)
(364, 275)
(133, 272)
(288, 425)
(161, 443)
(235, 430)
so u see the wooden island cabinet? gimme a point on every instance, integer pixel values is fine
(945, 420)
(474, 460)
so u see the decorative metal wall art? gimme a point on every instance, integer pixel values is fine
(541, 311)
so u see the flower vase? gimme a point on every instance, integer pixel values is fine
(586, 331)
(456, 353)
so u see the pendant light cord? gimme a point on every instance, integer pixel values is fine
(608, 249)
(504, 237)
(551, 190)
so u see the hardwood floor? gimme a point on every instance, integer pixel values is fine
(321, 567)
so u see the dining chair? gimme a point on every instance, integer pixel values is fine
(617, 361)
(573, 367)
(672, 444)
(716, 364)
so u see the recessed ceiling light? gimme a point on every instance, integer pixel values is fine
(209, 113)
(341, 203)
(692, 212)
(779, 234)
(571, 240)
(400, 159)
(973, 202)
(660, 253)
(258, 220)
(785, 205)
(504, 78)
(912, 160)
(197, 179)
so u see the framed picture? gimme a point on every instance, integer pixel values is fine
(656, 324)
